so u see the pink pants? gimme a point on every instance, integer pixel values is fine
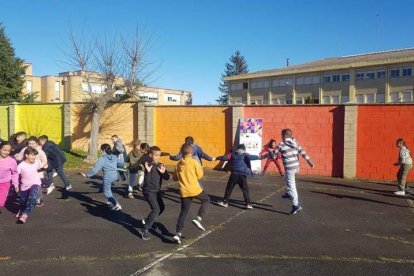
(4, 190)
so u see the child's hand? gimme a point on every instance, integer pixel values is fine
(312, 166)
(213, 159)
(396, 164)
(16, 189)
(148, 167)
(162, 168)
(83, 174)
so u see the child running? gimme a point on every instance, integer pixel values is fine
(155, 172)
(132, 160)
(271, 146)
(290, 150)
(30, 183)
(108, 163)
(8, 172)
(241, 168)
(405, 162)
(189, 171)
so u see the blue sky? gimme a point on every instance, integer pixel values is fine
(194, 39)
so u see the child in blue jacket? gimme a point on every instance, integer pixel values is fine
(108, 163)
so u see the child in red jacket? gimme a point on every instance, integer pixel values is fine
(271, 146)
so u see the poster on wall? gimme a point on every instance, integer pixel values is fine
(251, 131)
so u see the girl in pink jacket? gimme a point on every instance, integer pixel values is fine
(8, 172)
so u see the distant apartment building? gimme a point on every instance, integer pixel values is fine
(72, 87)
(380, 77)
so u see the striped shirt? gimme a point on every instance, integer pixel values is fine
(405, 156)
(290, 150)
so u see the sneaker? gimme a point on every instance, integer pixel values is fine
(39, 203)
(23, 218)
(287, 196)
(197, 222)
(54, 174)
(177, 238)
(130, 189)
(50, 188)
(109, 204)
(145, 235)
(68, 187)
(400, 193)
(249, 206)
(117, 207)
(223, 204)
(295, 209)
(18, 214)
(143, 221)
(130, 195)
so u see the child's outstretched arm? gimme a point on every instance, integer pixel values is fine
(202, 154)
(302, 152)
(96, 168)
(226, 157)
(176, 157)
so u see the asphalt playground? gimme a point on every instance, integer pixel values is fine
(347, 227)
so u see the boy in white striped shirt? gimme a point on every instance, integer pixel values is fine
(291, 150)
(405, 162)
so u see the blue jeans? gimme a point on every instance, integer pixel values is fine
(28, 199)
(108, 179)
(291, 185)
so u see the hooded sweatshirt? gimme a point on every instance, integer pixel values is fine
(189, 171)
(108, 163)
(133, 158)
(291, 150)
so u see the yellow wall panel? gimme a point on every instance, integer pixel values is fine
(4, 122)
(40, 119)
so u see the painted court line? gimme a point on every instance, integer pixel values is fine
(181, 248)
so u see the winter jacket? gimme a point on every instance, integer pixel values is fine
(240, 160)
(108, 163)
(189, 171)
(55, 157)
(119, 149)
(153, 179)
(133, 158)
(198, 154)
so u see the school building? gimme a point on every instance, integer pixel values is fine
(72, 87)
(380, 77)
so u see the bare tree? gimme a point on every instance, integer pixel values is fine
(117, 63)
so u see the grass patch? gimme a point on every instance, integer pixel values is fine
(76, 160)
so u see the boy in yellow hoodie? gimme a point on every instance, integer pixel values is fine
(189, 171)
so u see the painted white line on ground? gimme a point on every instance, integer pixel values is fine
(181, 248)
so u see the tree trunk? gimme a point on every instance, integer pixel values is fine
(94, 137)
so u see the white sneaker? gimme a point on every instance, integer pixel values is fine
(177, 238)
(50, 188)
(400, 193)
(130, 195)
(68, 187)
(143, 221)
(109, 204)
(54, 174)
(223, 204)
(197, 222)
(117, 207)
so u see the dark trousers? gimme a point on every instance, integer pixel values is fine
(61, 174)
(28, 199)
(241, 180)
(185, 207)
(157, 207)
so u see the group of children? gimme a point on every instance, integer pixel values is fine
(143, 166)
(22, 165)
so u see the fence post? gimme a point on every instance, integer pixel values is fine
(237, 116)
(350, 141)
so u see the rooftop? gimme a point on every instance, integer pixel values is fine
(344, 62)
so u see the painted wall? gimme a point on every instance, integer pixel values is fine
(4, 122)
(40, 119)
(319, 130)
(378, 129)
(209, 126)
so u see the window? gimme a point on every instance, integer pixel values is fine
(29, 86)
(381, 74)
(370, 98)
(119, 94)
(316, 101)
(344, 99)
(345, 77)
(406, 72)
(360, 99)
(380, 98)
(57, 90)
(395, 73)
(326, 78)
(299, 101)
(370, 75)
(336, 78)
(335, 99)
(245, 85)
(260, 84)
(326, 99)
(236, 86)
(406, 97)
(289, 101)
(395, 97)
(360, 76)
